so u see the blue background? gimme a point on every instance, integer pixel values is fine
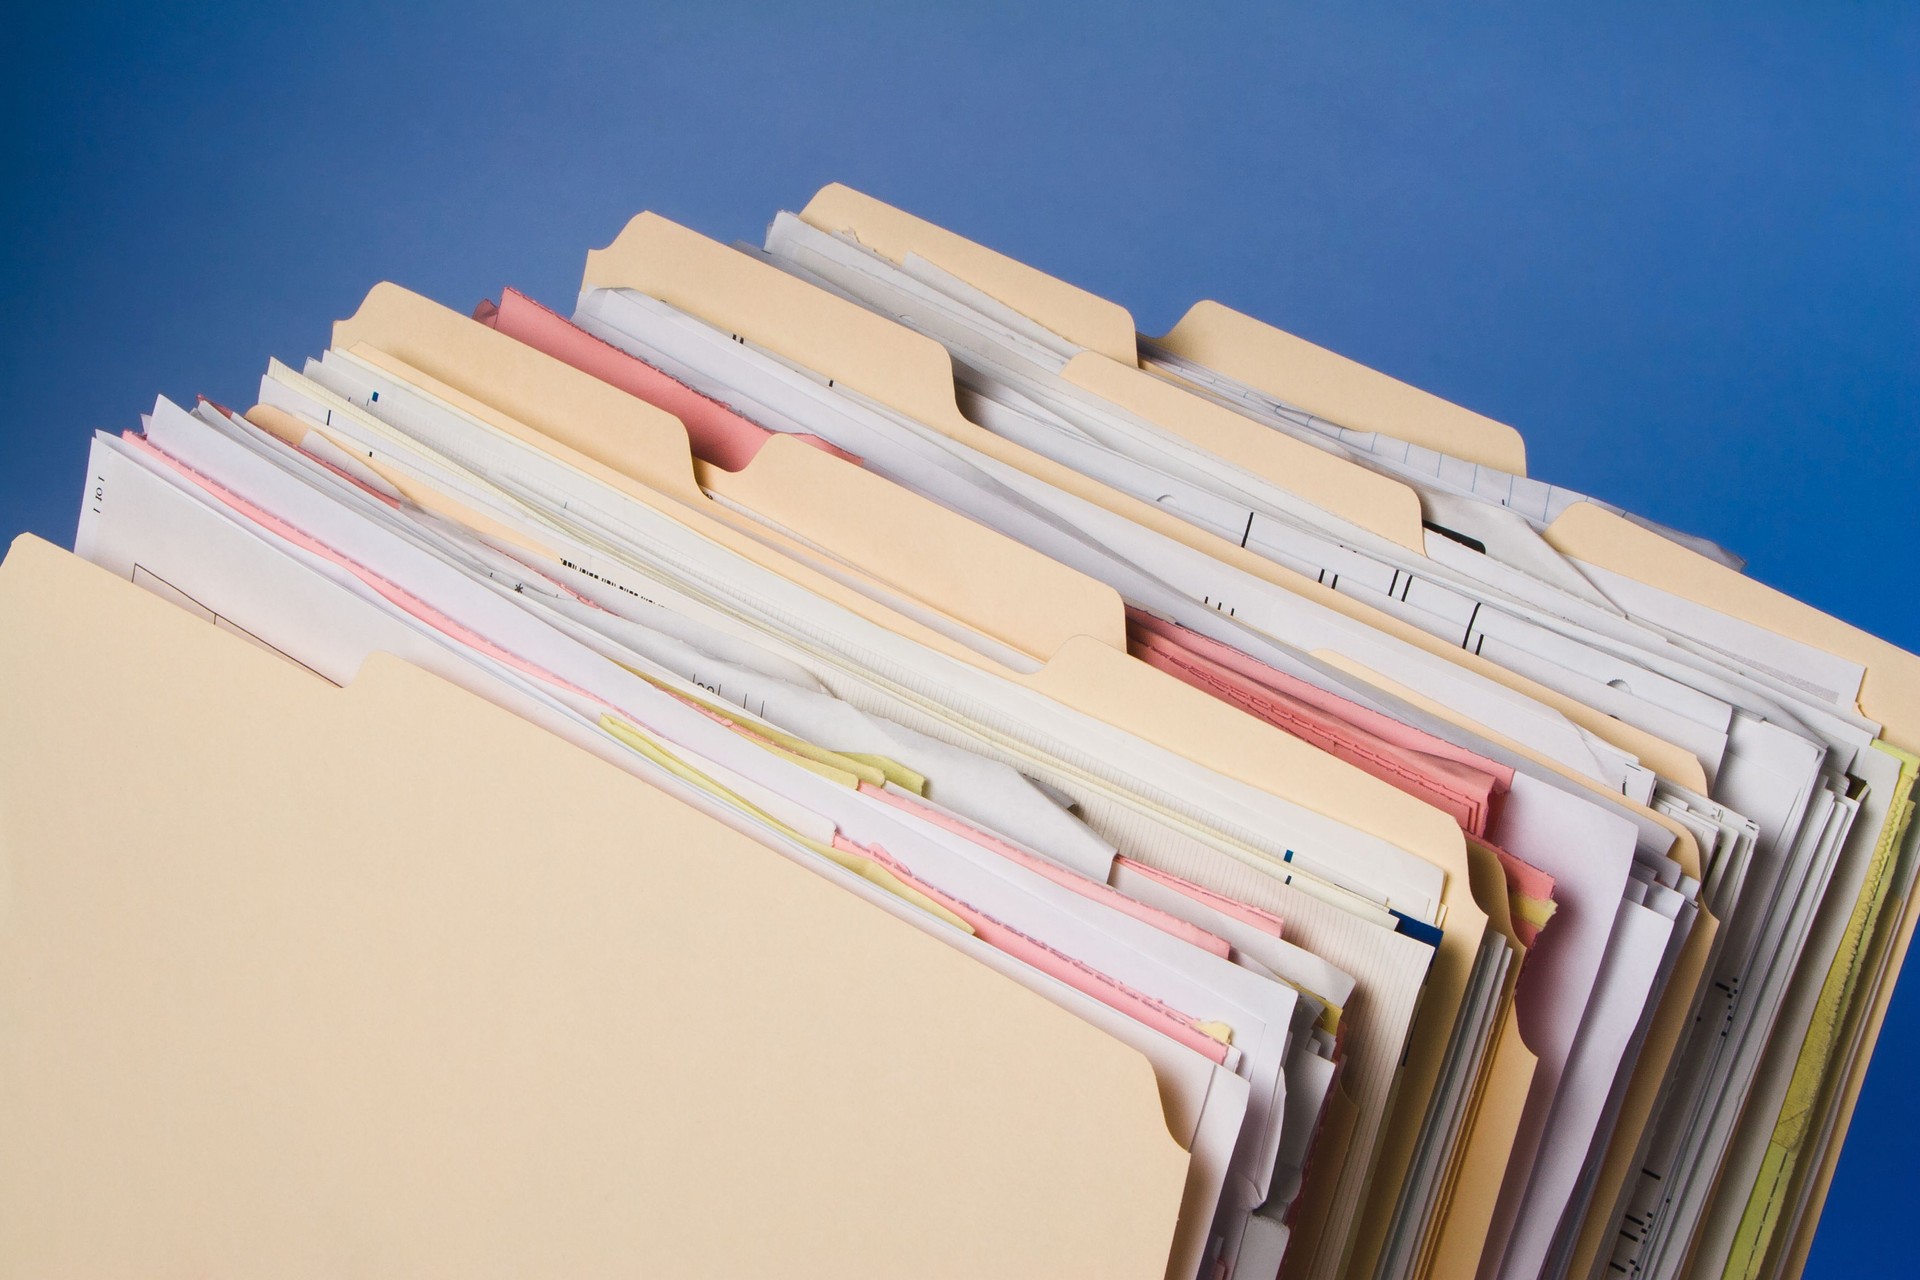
(1677, 245)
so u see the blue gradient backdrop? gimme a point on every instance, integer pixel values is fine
(1677, 245)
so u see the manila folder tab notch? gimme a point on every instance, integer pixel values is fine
(1890, 693)
(1375, 502)
(1082, 318)
(906, 371)
(615, 429)
(1340, 390)
(974, 574)
(385, 980)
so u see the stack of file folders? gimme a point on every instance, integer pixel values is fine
(840, 757)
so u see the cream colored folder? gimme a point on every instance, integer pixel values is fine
(298, 980)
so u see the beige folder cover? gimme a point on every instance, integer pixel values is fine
(298, 980)
(1340, 390)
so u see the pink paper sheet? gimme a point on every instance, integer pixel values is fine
(1459, 782)
(1082, 977)
(1265, 921)
(715, 433)
(1462, 788)
(1092, 890)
